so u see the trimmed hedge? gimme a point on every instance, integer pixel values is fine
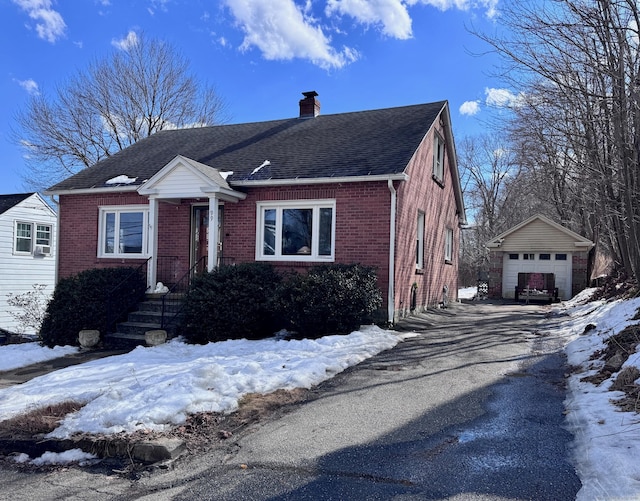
(81, 302)
(330, 299)
(232, 302)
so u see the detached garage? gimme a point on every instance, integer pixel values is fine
(538, 259)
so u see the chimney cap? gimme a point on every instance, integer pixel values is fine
(311, 93)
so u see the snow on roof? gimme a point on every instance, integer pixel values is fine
(121, 179)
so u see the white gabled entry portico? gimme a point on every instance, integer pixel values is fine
(183, 178)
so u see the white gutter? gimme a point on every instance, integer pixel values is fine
(321, 180)
(392, 254)
(248, 183)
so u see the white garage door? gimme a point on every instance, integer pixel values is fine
(557, 263)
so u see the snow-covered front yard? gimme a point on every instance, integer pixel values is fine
(152, 388)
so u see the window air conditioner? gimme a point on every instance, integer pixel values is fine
(42, 250)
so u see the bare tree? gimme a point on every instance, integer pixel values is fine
(577, 62)
(117, 101)
(491, 179)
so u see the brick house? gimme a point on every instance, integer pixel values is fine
(377, 187)
(538, 250)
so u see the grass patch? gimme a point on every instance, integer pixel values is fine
(39, 421)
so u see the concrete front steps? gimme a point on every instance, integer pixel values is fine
(147, 317)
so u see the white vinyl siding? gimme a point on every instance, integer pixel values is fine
(20, 271)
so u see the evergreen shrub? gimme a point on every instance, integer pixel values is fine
(330, 299)
(81, 302)
(232, 302)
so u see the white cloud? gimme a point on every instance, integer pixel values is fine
(127, 42)
(502, 98)
(392, 15)
(281, 31)
(30, 86)
(49, 23)
(490, 6)
(470, 108)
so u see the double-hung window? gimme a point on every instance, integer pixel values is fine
(32, 238)
(420, 242)
(301, 230)
(24, 238)
(123, 231)
(448, 246)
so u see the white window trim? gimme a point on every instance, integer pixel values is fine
(34, 236)
(118, 209)
(279, 206)
(420, 241)
(448, 245)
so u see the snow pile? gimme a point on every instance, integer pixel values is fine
(60, 458)
(13, 356)
(607, 441)
(467, 293)
(151, 388)
(122, 179)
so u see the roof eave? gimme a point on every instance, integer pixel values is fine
(87, 191)
(402, 176)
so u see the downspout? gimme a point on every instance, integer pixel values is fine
(392, 254)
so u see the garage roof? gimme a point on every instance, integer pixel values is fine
(539, 233)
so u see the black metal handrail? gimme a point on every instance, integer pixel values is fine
(181, 285)
(113, 314)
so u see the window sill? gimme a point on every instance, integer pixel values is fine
(296, 259)
(448, 261)
(419, 271)
(439, 182)
(121, 257)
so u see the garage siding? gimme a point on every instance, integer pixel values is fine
(537, 237)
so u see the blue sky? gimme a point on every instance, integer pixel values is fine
(262, 54)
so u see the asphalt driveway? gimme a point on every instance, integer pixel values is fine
(468, 409)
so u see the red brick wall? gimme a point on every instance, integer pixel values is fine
(78, 245)
(362, 223)
(362, 229)
(437, 201)
(579, 276)
(495, 274)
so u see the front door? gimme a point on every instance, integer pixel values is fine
(200, 236)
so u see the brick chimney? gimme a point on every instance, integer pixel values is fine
(309, 106)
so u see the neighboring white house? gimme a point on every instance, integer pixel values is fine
(27, 250)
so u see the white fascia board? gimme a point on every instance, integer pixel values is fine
(322, 180)
(224, 194)
(91, 191)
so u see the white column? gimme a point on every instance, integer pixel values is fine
(152, 237)
(212, 257)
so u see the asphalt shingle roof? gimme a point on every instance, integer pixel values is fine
(375, 142)
(9, 201)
